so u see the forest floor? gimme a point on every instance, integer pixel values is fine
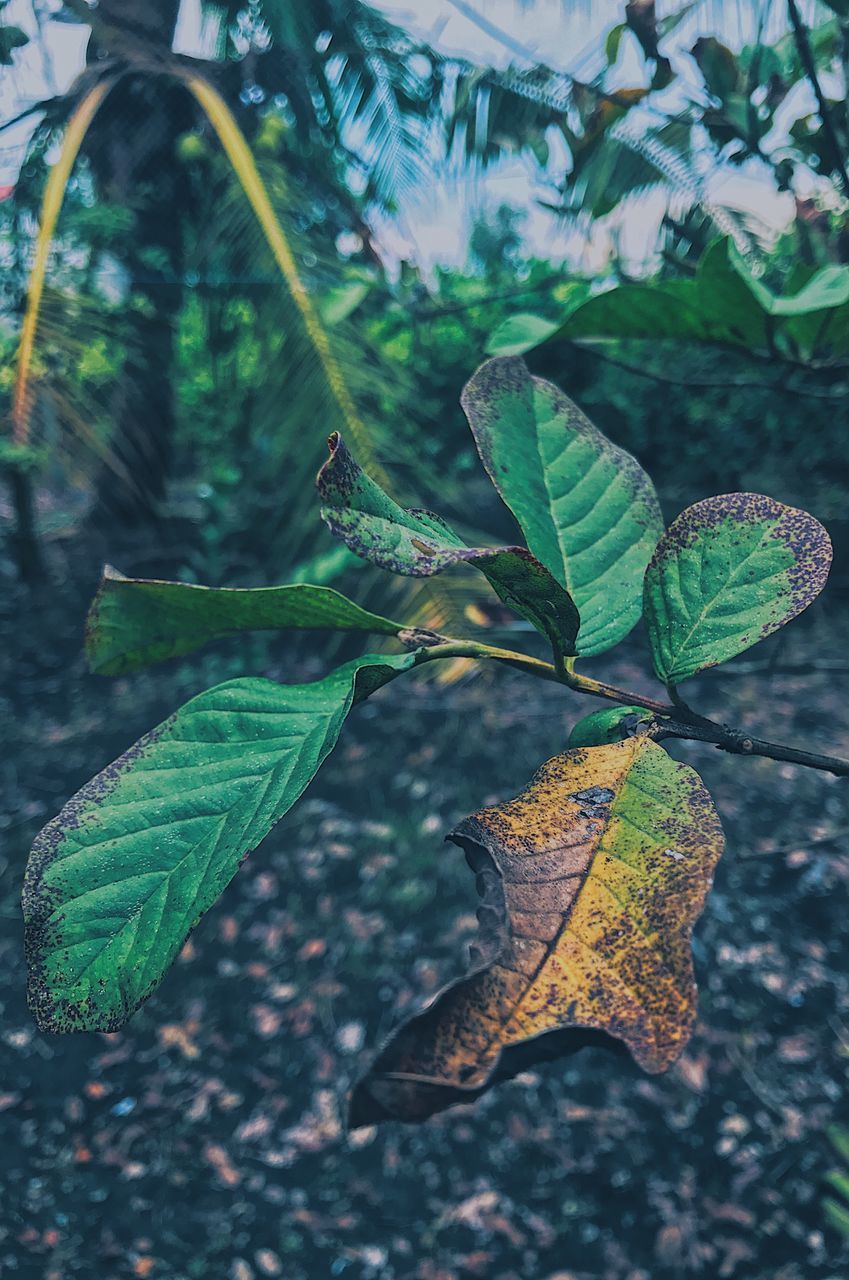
(208, 1140)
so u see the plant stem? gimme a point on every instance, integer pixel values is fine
(741, 744)
(599, 689)
(679, 720)
(473, 649)
(813, 393)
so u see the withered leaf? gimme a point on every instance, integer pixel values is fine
(590, 881)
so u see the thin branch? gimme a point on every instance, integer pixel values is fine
(739, 743)
(504, 295)
(678, 720)
(751, 353)
(814, 393)
(806, 57)
(447, 648)
(28, 111)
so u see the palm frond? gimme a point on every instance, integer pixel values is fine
(54, 195)
(364, 85)
(241, 158)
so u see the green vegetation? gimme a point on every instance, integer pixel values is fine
(197, 293)
(117, 881)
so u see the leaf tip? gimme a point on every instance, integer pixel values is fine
(498, 374)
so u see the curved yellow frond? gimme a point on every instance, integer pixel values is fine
(239, 154)
(54, 195)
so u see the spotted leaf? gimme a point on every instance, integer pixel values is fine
(728, 572)
(117, 881)
(418, 543)
(590, 882)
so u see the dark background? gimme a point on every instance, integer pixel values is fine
(178, 419)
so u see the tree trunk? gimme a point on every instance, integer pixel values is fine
(132, 151)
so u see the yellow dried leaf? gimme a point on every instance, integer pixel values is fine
(590, 882)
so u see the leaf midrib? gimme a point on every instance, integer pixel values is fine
(704, 614)
(551, 947)
(165, 875)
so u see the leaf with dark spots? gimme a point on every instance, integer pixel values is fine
(418, 543)
(728, 572)
(592, 879)
(587, 509)
(116, 882)
(136, 621)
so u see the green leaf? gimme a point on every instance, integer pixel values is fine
(520, 333)
(135, 621)
(587, 509)
(610, 725)
(524, 331)
(839, 1139)
(718, 65)
(840, 1181)
(722, 304)
(613, 41)
(635, 311)
(728, 572)
(827, 288)
(116, 882)
(668, 24)
(418, 543)
(341, 302)
(11, 38)
(837, 1214)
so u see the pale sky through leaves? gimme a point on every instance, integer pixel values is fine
(434, 220)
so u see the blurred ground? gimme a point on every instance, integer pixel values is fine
(207, 1139)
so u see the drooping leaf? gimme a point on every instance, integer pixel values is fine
(728, 572)
(610, 725)
(826, 289)
(135, 621)
(718, 65)
(117, 881)
(419, 543)
(723, 304)
(587, 509)
(590, 881)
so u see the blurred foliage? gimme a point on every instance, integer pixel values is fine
(344, 113)
(835, 1205)
(690, 109)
